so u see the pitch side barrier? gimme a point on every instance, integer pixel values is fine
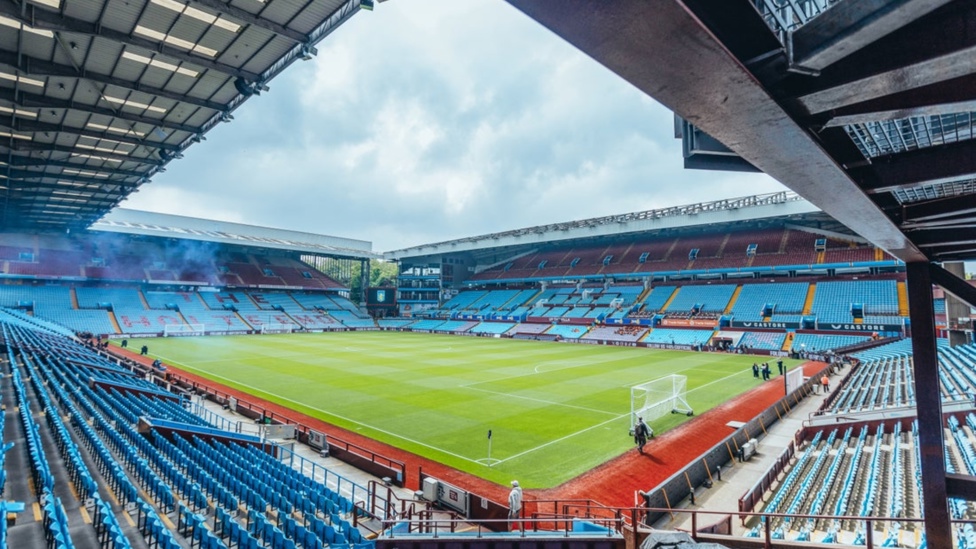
(358, 456)
(349, 452)
(707, 467)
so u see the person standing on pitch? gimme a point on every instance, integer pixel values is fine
(515, 505)
(641, 433)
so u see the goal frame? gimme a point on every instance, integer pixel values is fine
(184, 330)
(656, 398)
(277, 328)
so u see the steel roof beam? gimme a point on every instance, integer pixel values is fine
(667, 52)
(956, 208)
(23, 161)
(24, 125)
(34, 146)
(247, 17)
(942, 237)
(948, 97)
(961, 486)
(35, 101)
(25, 175)
(911, 168)
(935, 48)
(962, 252)
(849, 26)
(39, 67)
(47, 20)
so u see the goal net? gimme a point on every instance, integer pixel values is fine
(658, 398)
(173, 330)
(272, 328)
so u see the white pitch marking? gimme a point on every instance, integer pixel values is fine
(539, 400)
(560, 439)
(258, 391)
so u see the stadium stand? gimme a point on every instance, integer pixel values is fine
(492, 327)
(837, 301)
(220, 487)
(865, 472)
(704, 298)
(627, 334)
(756, 302)
(772, 341)
(567, 331)
(813, 343)
(772, 248)
(674, 336)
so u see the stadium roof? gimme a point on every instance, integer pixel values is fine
(781, 206)
(864, 108)
(135, 222)
(97, 96)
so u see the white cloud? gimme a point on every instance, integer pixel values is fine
(428, 120)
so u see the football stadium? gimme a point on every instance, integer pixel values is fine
(803, 360)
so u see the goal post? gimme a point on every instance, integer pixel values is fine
(654, 399)
(276, 328)
(173, 330)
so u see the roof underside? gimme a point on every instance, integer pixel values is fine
(863, 108)
(97, 96)
(136, 222)
(511, 243)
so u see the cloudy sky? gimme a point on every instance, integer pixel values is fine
(427, 120)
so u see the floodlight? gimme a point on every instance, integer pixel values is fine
(366, 4)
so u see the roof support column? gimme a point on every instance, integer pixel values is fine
(928, 405)
(364, 276)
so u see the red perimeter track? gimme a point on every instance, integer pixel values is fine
(612, 484)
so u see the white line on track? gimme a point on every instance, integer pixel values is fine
(539, 400)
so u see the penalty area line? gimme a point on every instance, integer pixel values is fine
(539, 400)
(560, 439)
(258, 392)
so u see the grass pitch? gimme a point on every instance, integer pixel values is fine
(555, 410)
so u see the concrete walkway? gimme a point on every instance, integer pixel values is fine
(740, 477)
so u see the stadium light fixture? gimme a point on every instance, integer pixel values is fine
(113, 129)
(174, 41)
(366, 5)
(199, 15)
(21, 79)
(159, 64)
(308, 51)
(8, 22)
(16, 135)
(134, 104)
(17, 111)
(100, 149)
(94, 157)
(56, 4)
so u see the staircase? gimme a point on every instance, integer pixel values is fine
(902, 298)
(735, 296)
(111, 317)
(808, 304)
(820, 257)
(788, 342)
(673, 295)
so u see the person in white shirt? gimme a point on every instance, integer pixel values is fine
(515, 504)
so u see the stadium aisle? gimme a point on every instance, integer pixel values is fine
(739, 477)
